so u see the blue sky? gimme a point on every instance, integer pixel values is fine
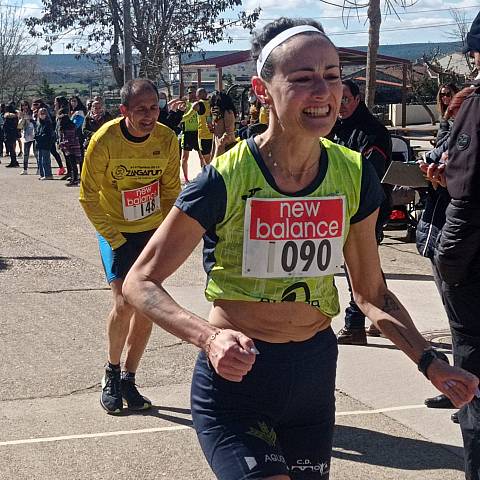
(427, 21)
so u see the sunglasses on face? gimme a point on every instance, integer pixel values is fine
(445, 94)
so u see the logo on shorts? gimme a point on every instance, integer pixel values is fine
(264, 433)
(251, 462)
(307, 466)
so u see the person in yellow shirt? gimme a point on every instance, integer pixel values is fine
(201, 108)
(130, 180)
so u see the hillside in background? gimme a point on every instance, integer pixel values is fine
(415, 51)
(67, 68)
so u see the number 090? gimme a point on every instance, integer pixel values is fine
(307, 253)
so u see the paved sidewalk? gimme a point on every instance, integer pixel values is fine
(54, 303)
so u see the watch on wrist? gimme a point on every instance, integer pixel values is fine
(428, 356)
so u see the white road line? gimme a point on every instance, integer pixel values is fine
(94, 435)
(379, 410)
(175, 428)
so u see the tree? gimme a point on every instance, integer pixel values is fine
(374, 14)
(46, 92)
(460, 32)
(161, 29)
(17, 55)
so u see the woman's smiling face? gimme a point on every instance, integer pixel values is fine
(306, 89)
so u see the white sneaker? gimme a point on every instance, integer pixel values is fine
(41, 178)
(23, 172)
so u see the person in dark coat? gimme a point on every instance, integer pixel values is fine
(44, 138)
(359, 130)
(70, 145)
(96, 117)
(433, 216)
(458, 254)
(171, 113)
(10, 132)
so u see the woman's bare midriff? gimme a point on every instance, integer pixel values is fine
(270, 322)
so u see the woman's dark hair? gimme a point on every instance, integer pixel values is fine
(11, 108)
(64, 119)
(80, 105)
(442, 108)
(223, 101)
(62, 102)
(352, 86)
(270, 31)
(457, 100)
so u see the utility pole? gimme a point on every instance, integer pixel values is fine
(127, 42)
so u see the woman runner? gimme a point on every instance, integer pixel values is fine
(276, 212)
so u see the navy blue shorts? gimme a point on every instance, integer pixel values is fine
(136, 243)
(278, 421)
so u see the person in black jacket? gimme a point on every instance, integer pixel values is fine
(10, 131)
(171, 113)
(458, 254)
(359, 130)
(44, 138)
(433, 216)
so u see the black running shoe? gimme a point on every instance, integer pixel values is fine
(111, 397)
(135, 401)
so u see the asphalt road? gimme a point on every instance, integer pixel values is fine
(54, 301)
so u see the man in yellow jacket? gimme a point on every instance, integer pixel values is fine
(130, 180)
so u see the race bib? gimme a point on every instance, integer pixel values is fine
(141, 202)
(301, 237)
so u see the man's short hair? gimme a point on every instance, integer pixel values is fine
(135, 87)
(353, 87)
(201, 91)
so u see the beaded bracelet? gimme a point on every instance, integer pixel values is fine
(211, 338)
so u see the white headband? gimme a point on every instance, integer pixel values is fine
(279, 39)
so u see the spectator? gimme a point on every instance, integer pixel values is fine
(10, 129)
(44, 138)
(28, 131)
(96, 117)
(359, 130)
(2, 138)
(70, 145)
(433, 216)
(171, 113)
(458, 254)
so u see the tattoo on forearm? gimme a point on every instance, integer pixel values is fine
(151, 300)
(390, 304)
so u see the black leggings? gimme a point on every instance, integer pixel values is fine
(26, 153)
(72, 168)
(56, 156)
(10, 145)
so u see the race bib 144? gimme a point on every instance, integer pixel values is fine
(301, 237)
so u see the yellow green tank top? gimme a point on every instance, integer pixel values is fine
(190, 120)
(275, 247)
